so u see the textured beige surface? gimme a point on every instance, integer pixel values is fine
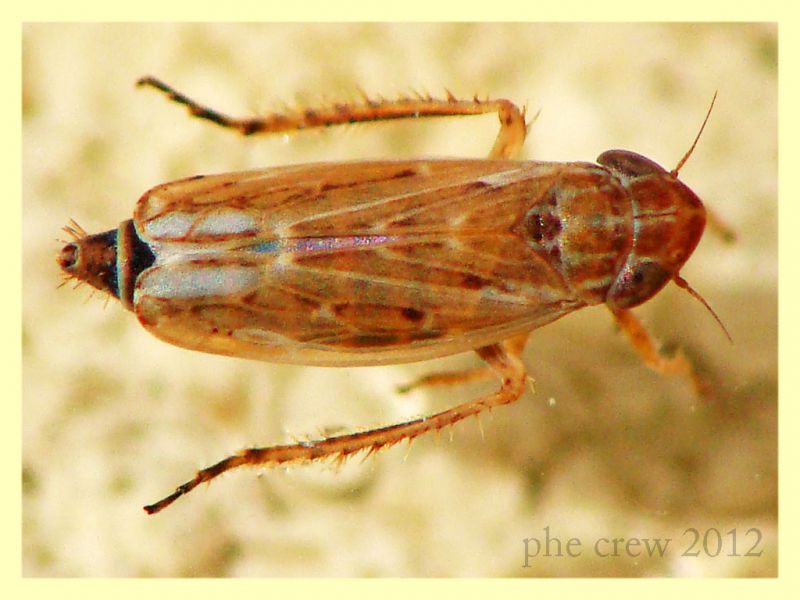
(114, 419)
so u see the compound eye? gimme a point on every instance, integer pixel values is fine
(637, 283)
(629, 163)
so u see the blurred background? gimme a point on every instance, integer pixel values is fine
(603, 449)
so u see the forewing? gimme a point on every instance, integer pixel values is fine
(348, 264)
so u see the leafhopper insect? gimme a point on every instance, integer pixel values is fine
(383, 262)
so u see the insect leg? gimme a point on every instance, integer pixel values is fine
(502, 360)
(507, 145)
(442, 378)
(515, 345)
(719, 227)
(645, 345)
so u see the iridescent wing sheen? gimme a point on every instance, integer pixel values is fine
(349, 264)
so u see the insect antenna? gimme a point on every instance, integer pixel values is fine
(686, 156)
(717, 225)
(681, 282)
